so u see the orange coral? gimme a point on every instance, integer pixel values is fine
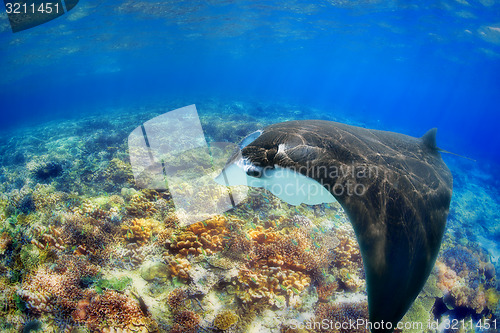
(208, 236)
(139, 231)
(326, 290)
(262, 236)
(347, 252)
(48, 239)
(447, 278)
(266, 282)
(179, 267)
(187, 243)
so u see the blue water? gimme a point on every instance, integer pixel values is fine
(400, 66)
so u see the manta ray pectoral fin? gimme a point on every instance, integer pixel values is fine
(399, 216)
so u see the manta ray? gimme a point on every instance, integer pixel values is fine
(395, 189)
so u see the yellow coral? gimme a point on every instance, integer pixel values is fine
(140, 206)
(350, 280)
(266, 282)
(225, 320)
(5, 241)
(180, 267)
(347, 252)
(140, 230)
(492, 299)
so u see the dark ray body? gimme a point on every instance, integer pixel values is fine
(399, 218)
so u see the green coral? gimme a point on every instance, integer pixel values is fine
(431, 289)
(118, 284)
(30, 256)
(418, 316)
(420, 313)
(492, 299)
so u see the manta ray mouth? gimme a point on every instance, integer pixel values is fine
(288, 185)
(249, 168)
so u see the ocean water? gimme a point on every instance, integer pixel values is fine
(73, 89)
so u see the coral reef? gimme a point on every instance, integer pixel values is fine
(347, 252)
(46, 288)
(88, 231)
(176, 299)
(47, 170)
(179, 267)
(140, 230)
(83, 250)
(186, 322)
(225, 320)
(268, 279)
(5, 241)
(141, 204)
(49, 239)
(325, 290)
(462, 279)
(207, 237)
(337, 313)
(113, 311)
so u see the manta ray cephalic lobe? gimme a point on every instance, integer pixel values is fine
(398, 206)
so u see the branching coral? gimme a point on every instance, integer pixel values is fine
(338, 313)
(114, 312)
(46, 197)
(176, 299)
(87, 235)
(62, 289)
(186, 322)
(303, 250)
(45, 288)
(325, 290)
